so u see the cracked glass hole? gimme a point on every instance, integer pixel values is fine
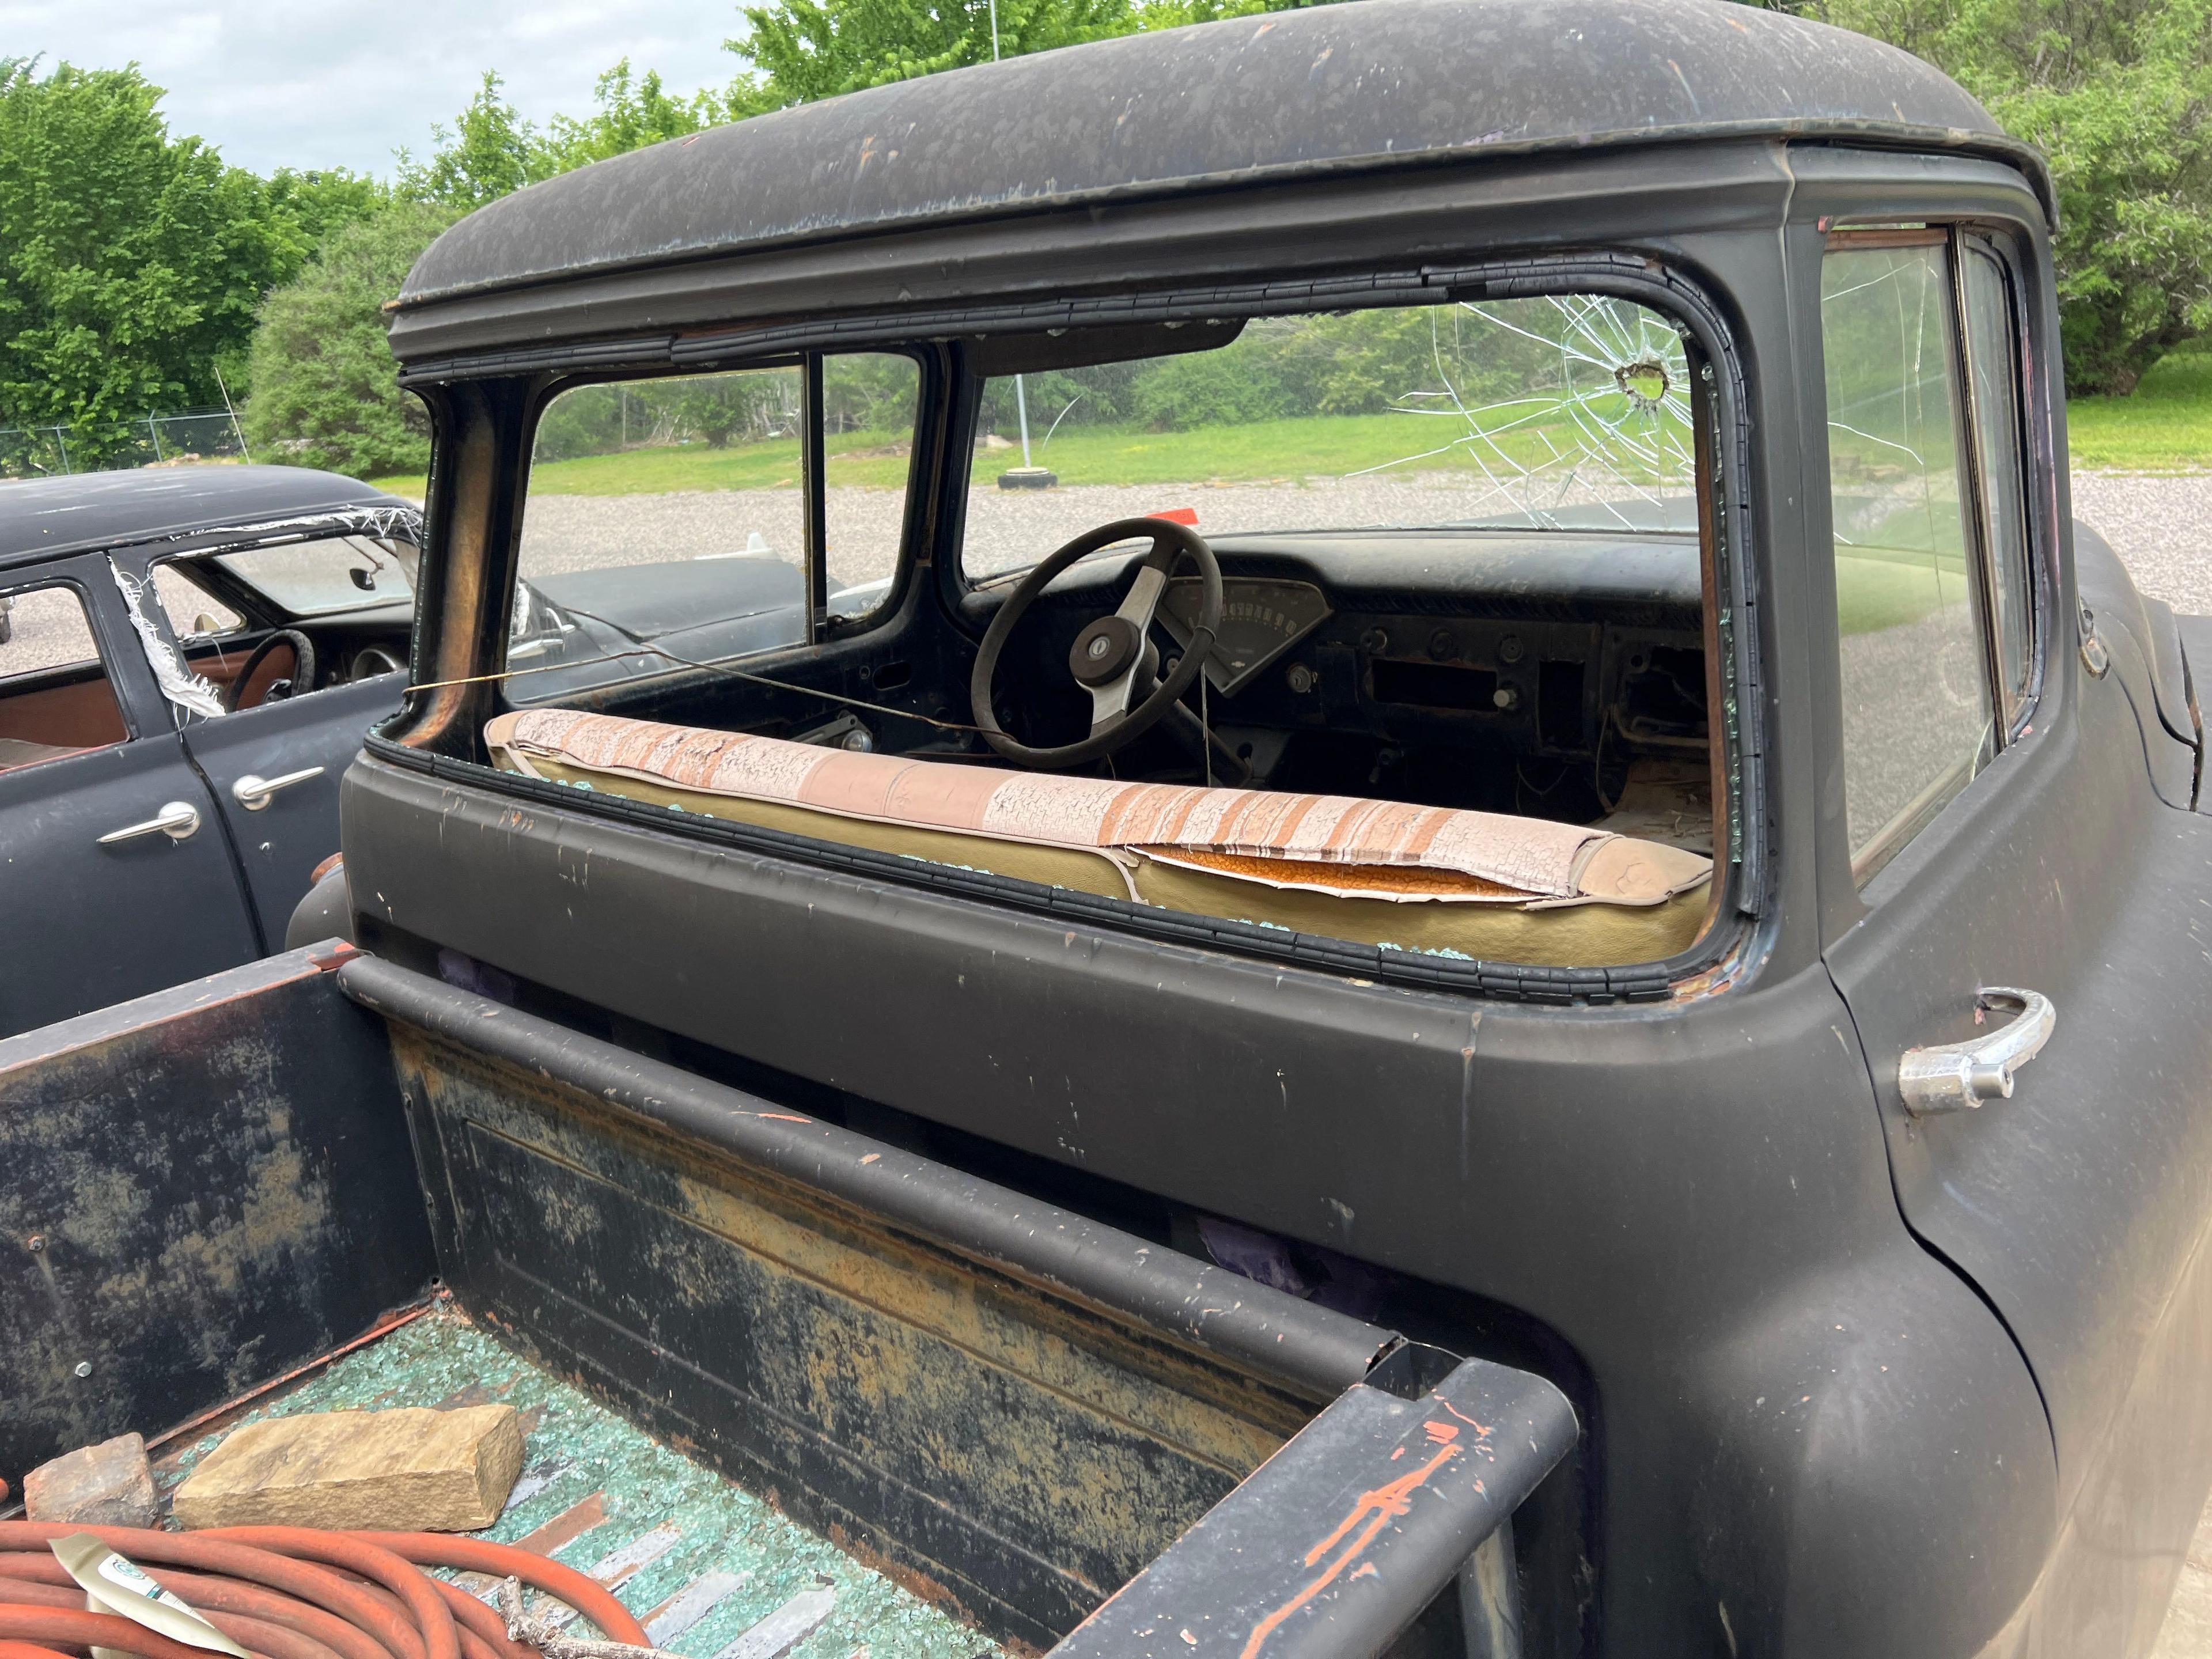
(1644, 385)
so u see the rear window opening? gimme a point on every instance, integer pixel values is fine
(1451, 701)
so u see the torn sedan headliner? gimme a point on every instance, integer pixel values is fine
(1235, 102)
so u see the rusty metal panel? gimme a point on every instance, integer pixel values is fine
(1015, 1453)
(199, 1190)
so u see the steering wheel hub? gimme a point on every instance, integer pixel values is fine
(1103, 652)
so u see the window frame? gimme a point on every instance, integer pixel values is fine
(2010, 710)
(821, 628)
(496, 432)
(2015, 704)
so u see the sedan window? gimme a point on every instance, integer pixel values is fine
(55, 698)
(192, 610)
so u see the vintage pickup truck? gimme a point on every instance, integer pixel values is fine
(1573, 877)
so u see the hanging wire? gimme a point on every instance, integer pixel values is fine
(650, 650)
(1204, 726)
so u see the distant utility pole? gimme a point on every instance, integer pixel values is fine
(237, 431)
(1021, 396)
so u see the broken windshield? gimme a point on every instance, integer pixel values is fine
(1555, 412)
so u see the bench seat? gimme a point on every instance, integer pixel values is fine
(1478, 884)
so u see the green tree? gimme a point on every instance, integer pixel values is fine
(323, 390)
(324, 394)
(804, 49)
(2118, 94)
(131, 262)
(489, 152)
(628, 116)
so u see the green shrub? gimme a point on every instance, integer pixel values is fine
(325, 392)
(1179, 394)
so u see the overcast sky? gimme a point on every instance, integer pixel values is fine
(320, 83)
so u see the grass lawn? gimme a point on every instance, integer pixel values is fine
(2165, 427)
(855, 458)
(1264, 452)
(1281, 451)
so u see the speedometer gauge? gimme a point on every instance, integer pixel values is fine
(1260, 621)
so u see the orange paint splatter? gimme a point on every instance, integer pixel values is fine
(1480, 1430)
(1376, 1509)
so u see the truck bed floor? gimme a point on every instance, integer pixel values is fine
(701, 1561)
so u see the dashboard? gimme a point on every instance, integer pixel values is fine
(1539, 645)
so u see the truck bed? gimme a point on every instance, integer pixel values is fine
(700, 1560)
(740, 1319)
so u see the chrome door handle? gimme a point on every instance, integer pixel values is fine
(252, 794)
(1950, 1076)
(177, 820)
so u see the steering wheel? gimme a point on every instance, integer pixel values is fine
(302, 677)
(1114, 655)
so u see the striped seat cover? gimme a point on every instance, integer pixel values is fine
(1335, 843)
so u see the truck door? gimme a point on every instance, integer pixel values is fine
(2004, 836)
(114, 873)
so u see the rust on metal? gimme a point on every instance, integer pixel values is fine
(567, 1526)
(1012, 1452)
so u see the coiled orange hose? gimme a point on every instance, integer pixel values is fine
(291, 1593)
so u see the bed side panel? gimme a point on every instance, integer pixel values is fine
(199, 1190)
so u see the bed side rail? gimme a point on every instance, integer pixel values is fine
(1339, 1540)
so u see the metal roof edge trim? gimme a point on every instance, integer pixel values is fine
(1877, 135)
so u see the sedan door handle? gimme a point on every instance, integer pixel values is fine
(1950, 1076)
(177, 820)
(254, 794)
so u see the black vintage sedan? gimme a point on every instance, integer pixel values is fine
(189, 658)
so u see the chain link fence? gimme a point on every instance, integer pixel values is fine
(192, 435)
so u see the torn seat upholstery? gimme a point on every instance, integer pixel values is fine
(1476, 884)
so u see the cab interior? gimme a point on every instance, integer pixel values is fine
(1461, 568)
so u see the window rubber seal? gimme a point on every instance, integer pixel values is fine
(1712, 962)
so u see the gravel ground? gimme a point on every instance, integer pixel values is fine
(1006, 528)
(2162, 527)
